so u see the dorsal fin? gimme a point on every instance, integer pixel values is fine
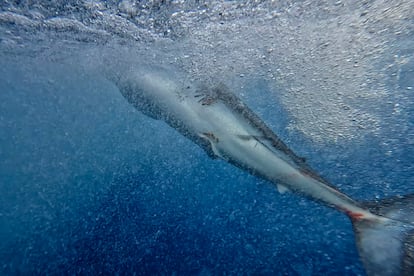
(222, 92)
(233, 102)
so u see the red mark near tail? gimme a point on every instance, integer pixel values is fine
(354, 216)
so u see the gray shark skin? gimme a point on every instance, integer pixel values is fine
(226, 128)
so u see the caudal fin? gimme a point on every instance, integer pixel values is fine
(386, 243)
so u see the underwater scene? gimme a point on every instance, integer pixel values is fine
(170, 137)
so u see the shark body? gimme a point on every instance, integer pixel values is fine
(221, 124)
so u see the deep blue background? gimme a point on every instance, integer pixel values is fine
(88, 184)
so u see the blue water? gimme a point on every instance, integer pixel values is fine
(91, 186)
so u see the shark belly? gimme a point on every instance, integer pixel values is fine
(272, 166)
(228, 134)
(226, 128)
(229, 138)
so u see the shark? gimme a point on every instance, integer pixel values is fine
(219, 122)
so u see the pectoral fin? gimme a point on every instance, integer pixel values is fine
(282, 189)
(213, 141)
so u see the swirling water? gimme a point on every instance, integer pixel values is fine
(89, 185)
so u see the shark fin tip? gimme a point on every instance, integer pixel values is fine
(282, 189)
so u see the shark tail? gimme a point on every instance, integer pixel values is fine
(386, 241)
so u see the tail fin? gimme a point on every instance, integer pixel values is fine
(386, 244)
